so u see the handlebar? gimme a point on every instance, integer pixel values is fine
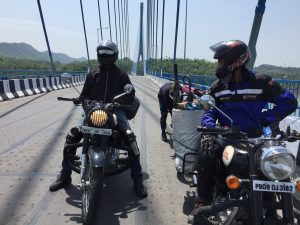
(213, 129)
(290, 135)
(66, 99)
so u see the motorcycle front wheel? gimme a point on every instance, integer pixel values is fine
(92, 194)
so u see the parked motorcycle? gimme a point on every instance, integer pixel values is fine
(105, 151)
(252, 168)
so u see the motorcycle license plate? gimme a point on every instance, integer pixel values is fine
(261, 185)
(94, 130)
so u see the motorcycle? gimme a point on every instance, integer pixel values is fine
(105, 151)
(253, 167)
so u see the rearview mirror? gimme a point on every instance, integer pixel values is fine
(128, 88)
(207, 101)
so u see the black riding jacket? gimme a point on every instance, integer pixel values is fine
(104, 83)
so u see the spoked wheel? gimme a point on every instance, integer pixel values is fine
(92, 194)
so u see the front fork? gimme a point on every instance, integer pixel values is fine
(288, 208)
(94, 156)
(255, 196)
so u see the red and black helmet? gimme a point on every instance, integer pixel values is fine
(235, 54)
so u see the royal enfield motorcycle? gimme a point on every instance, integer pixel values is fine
(251, 168)
(105, 152)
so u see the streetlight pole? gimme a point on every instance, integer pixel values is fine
(104, 28)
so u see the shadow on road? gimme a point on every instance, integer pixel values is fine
(118, 200)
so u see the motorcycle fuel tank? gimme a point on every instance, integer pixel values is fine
(236, 160)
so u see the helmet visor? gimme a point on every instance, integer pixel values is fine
(105, 51)
(220, 49)
(215, 47)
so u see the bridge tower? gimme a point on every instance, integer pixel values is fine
(136, 69)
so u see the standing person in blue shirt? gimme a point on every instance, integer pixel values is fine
(242, 95)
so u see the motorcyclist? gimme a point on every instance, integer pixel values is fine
(242, 95)
(103, 84)
(166, 104)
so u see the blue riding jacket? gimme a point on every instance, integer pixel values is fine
(244, 103)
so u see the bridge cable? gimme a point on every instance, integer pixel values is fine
(185, 28)
(127, 15)
(176, 84)
(123, 36)
(162, 37)
(126, 33)
(86, 42)
(46, 36)
(100, 28)
(108, 11)
(116, 28)
(120, 48)
(156, 38)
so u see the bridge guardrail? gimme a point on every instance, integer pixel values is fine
(17, 88)
(26, 74)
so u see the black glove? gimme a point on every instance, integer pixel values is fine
(210, 145)
(76, 101)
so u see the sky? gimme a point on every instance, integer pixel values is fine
(208, 22)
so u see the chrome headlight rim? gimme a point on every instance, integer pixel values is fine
(270, 156)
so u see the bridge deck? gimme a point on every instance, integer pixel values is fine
(33, 130)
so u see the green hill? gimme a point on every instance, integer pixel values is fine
(26, 51)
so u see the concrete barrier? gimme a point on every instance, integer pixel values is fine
(5, 90)
(15, 88)
(33, 86)
(40, 84)
(52, 84)
(57, 83)
(47, 84)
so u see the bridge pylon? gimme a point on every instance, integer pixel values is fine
(137, 68)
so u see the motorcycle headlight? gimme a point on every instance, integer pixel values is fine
(277, 163)
(98, 118)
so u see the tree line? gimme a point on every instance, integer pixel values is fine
(187, 66)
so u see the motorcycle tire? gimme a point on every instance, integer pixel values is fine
(201, 220)
(90, 209)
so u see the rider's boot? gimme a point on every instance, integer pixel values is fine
(139, 187)
(164, 136)
(63, 180)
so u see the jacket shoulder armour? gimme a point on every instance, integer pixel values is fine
(268, 84)
(262, 78)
